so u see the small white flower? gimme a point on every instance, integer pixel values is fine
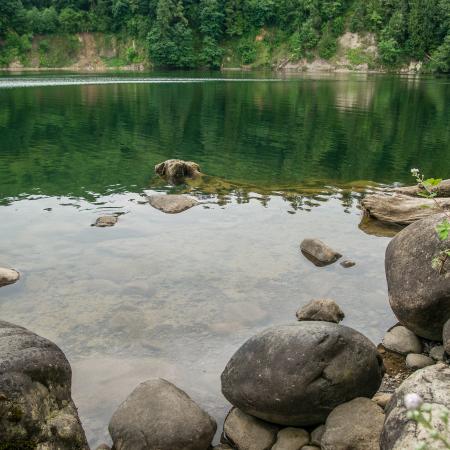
(415, 172)
(413, 401)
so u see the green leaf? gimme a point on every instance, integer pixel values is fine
(432, 181)
(424, 194)
(443, 229)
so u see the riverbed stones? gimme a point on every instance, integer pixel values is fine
(105, 221)
(382, 398)
(318, 252)
(8, 276)
(324, 309)
(158, 415)
(171, 203)
(36, 408)
(418, 361)
(291, 438)
(176, 170)
(354, 425)
(446, 337)
(418, 293)
(432, 384)
(401, 340)
(245, 432)
(295, 375)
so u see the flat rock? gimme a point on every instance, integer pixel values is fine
(446, 337)
(171, 203)
(401, 209)
(437, 353)
(418, 361)
(36, 408)
(321, 309)
(402, 340)
(432, 384)
(295, 375)
(158, 415)
(354, 425)
(317, 434)
(8, 276)
(291, 439)
(442, 190)
(105, 221)
(419, 292)
(245, 432)
(318, 252)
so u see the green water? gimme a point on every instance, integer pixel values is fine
(175, 295)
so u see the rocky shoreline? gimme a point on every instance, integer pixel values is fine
(310, 384)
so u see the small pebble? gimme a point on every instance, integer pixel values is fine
(347, 263)
(382, 399)
(105, 221)
(437, 353)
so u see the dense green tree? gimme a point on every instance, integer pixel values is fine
(170, 40)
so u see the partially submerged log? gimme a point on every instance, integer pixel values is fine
(402, 209)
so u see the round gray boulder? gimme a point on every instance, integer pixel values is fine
(418, 293)
(158, 415)
(297, 374)
(400, 433)
(36, 408)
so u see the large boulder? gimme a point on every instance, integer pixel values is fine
(432, 384)
(36, 408)
(158, 415)
(297, 374)
(355, 425)
(171, 203)
(8, 276)
(176, 170)
(418, 293)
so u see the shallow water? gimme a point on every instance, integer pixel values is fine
(175, 295)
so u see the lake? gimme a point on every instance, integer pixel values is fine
(174, 296)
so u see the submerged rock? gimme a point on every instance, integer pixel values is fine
(172, 204)
(321, 309)
(401, 340)
(297, 374)
(318, 252)
(347, 263)
(245, 432)
(105, 221)
(158, 415)
(36, 408)
(176, 170)
(432, 384)
(418, 293)
(354, 425)
(8, 276)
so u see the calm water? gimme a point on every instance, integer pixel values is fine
(174, 296)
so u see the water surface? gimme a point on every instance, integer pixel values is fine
(175, 295)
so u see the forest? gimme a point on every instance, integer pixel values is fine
(194, 33)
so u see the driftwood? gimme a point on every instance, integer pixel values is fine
(402, 209)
